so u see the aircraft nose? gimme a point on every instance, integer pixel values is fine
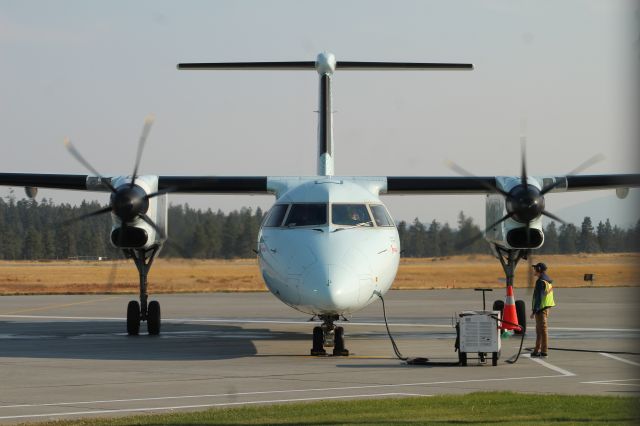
(333, 287)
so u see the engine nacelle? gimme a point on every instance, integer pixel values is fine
(510, 233)
(138, 234)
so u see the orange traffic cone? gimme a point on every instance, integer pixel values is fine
(509, 314)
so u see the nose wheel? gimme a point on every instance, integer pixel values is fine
(328, 335)
(143, 310)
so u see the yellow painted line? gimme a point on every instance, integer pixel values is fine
(63, 305)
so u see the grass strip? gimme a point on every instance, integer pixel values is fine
(480, 408)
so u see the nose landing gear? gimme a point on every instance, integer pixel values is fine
(143, 310)
(328, 335)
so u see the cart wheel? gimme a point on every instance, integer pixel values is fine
(462, 358)
(498, 305)
(494, 359)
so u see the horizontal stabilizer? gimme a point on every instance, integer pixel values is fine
(296, 65)
(311, 65)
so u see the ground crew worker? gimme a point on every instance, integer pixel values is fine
(542, 302)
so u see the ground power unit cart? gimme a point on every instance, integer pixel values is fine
(478, 334)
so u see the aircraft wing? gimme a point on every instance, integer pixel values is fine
(259, 184)
(173, 184)
(485, 184)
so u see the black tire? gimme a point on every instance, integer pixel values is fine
(462, 358)
(133, 318)
(498, 305)
(521, 312)
(338, 342)
(318, 342)
(153, 318)
(494, 359)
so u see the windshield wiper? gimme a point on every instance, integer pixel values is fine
(354, 226)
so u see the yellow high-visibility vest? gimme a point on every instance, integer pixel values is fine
(547, 298)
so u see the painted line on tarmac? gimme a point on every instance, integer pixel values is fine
(614, 382)
(562, 371)
(258, 321)
(221, 404)
(281, 391)
(63, 305)
(632, 330)
(617, 358)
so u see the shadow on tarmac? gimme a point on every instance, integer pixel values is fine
(109, 341)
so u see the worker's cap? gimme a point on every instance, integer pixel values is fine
(540, 267)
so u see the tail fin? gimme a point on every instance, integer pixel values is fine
(325, 65)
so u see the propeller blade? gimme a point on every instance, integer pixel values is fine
(153, 225)
(472, 240)
(523, 149)
(588, 163)
(148, 122)
(112, 276)
(585, 165)
(530, 272)
(85, 216)
(554, 217)
(456, 168)
(73, 151)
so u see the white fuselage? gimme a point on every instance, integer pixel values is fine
(328, 264)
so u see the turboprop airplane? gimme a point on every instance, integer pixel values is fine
(328, 246)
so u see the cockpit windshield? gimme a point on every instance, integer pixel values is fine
(307, 215)
(350, 215)
(276, 215)
(381, 215)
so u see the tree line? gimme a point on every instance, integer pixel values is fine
(436, 239)
(32, 230)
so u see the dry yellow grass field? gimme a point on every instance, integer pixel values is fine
(179, 275)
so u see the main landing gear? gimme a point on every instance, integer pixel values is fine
(328, 335)
(143, 311)
(509, 259)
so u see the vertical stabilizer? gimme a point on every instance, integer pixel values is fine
(325, 65)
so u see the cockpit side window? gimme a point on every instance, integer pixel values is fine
(350, 215)
(380, 215)
(276, 215)
(307, 215)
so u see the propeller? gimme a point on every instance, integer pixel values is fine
(524, 203)
(128, 202)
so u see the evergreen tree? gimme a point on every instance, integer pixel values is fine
(417, 233)
(402, 234)
(447, 240)
(587, 241)
(33, 246)
(466, 239)
(551, 242)
(605, 236)
(568, 239)
(432, 243)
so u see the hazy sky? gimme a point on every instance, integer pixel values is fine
(92, 70)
